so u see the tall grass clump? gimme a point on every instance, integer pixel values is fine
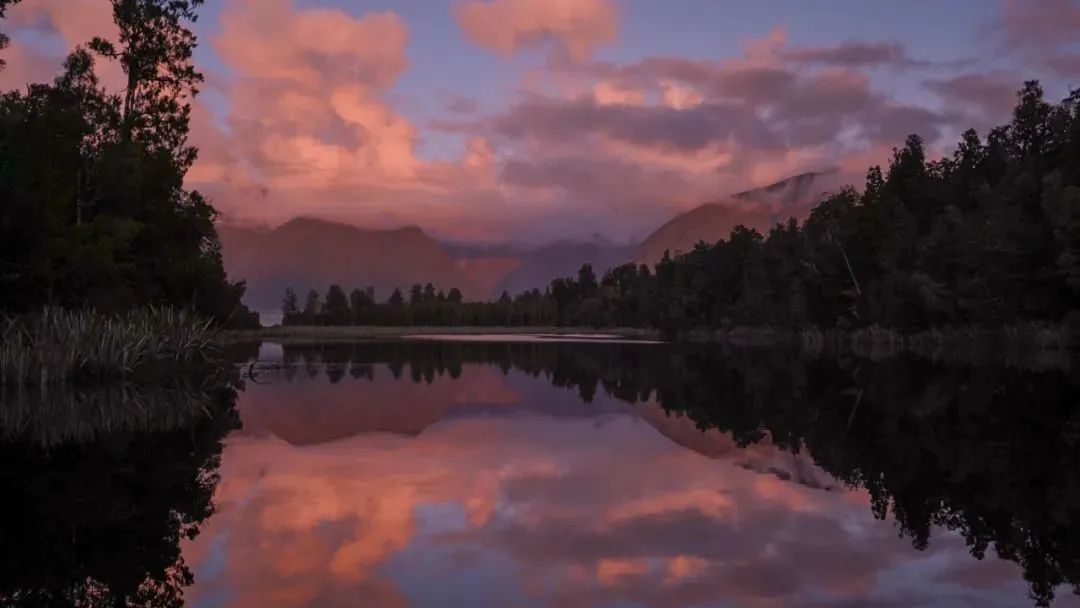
(61, 346)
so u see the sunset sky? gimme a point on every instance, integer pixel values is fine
(483, 120)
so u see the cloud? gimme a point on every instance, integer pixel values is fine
(313, 123)
(77, 21)
(1066, 65)
(577, 27)
(732, 124)
(1043, 24)
(1045, 33)
(461, 104)
(856, 55)
(991, 95)
(71, 23)
(307, 120)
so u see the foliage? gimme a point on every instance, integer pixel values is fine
(96, 213)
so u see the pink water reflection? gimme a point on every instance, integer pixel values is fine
(493, 490)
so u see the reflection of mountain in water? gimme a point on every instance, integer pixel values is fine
(353, 399)
(989, 452)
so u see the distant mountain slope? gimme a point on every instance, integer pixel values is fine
(311, 254)
(758, 208)
(535, 267)
(795, 192)
(709, 223)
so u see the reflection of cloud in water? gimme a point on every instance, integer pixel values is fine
(537, 507)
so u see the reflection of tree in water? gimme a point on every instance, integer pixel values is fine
(989, 452)
(98, 520)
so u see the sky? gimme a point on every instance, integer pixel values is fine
(537, 120)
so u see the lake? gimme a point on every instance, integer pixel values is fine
(550, 473)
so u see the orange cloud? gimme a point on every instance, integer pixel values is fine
(579, 27)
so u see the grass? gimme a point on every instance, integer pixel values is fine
(58, 346)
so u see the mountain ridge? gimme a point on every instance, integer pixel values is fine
(312, 253)
(758, 208)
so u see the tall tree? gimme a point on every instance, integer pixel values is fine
(312, 308)
(155, 51)
(396, 299)
(101, 201)
(336, 310)
(290, 308)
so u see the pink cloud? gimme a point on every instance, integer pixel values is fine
(578, 27)
(1043, 24)
(76, 22)
(310, 123)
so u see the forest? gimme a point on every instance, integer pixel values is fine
(988, 236)
(95, 215)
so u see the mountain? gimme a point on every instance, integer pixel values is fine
(795, 192)
(309, 253)
(759, 208)
(535, 267)
(710, 222)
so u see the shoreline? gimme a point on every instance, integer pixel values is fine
(1043, 344)
(308, 333)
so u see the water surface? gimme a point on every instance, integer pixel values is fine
(436, 473)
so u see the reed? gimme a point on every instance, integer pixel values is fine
(69, 347)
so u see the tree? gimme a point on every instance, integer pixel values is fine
(396, 299)
(587, 279)
(312, 308)
(290, 308)
(101, 203)
(155, 53)
(360, 301)
(336, 309)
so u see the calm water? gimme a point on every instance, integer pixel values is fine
(424, 473)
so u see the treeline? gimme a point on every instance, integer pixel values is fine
(93, 209)
(988, 236)
(424, 306)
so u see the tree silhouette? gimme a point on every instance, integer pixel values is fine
(312, 308)
(290, 308)
(336, 310)
(95, 213)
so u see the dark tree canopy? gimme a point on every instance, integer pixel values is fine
(96, 214)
